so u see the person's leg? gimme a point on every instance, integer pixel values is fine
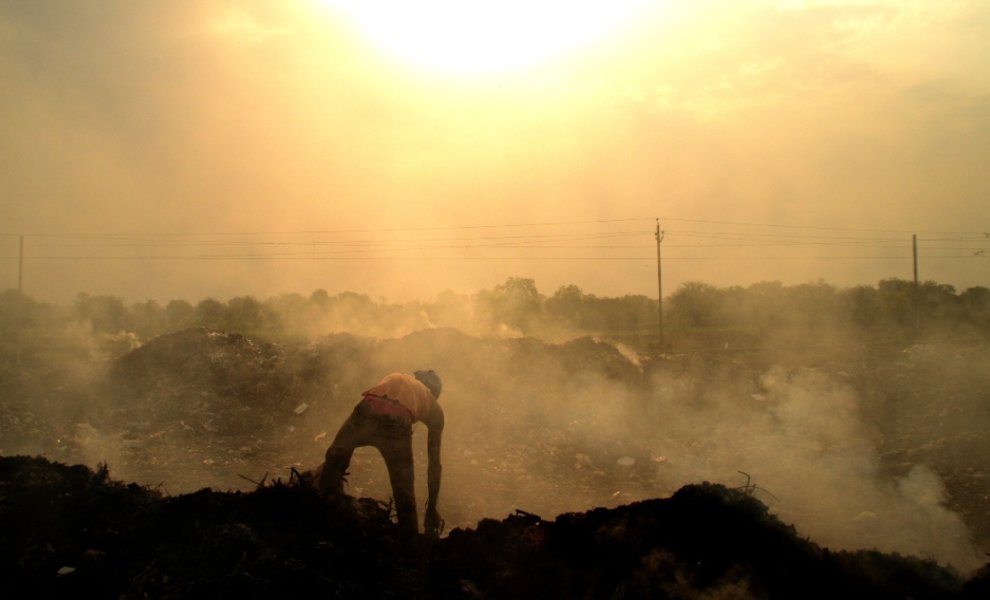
(396, 449)
(338, 456)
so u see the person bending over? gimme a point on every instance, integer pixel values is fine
(383, 419)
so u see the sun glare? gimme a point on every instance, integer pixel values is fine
(471, 36)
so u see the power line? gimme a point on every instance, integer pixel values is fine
(390, 230)
(303, 257)
(494, 245)
(823, 228)
(339, 231)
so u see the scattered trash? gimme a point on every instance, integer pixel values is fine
(65, 571)
(626, 461)
(301, 408)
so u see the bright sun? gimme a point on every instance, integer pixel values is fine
(472, 36)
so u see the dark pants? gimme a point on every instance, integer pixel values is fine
(392, 436)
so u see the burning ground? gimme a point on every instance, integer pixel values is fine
(863, 448)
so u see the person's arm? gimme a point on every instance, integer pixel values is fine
(434, 423)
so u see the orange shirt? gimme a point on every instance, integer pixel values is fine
(407, 391)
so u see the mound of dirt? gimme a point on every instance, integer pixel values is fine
(199, 370)
(70, 532)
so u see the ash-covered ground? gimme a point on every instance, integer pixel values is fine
(858, 448)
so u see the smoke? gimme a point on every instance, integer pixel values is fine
(803, 435)
(803, 440)
(858, 452)
(554, 428)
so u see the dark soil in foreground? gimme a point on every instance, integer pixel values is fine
(72, 532)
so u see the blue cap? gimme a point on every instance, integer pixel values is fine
(431, 380)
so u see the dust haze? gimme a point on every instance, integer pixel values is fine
(182, 174)
(868, 436)
(143, 141)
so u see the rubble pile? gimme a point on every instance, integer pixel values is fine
(70, 532)
(175, 373)
(704, 541)
(551, 428)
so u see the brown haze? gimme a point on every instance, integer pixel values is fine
(547, 428)
(218, 148)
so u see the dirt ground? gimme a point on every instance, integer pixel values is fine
(846, 446)
(72, 531)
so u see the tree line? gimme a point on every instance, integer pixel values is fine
(517, 308)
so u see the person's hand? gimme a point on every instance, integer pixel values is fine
(432, 523)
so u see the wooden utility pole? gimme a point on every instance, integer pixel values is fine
(20, 268)
(659, 236)
(914, 245)
(915, 300)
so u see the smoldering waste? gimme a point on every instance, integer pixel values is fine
(69, 531)
(205, 408)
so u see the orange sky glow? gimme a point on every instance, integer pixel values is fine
(219, 148)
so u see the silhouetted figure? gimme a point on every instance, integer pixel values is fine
(384, 419)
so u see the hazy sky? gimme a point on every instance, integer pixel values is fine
(216, 148)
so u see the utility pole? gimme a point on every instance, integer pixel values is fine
(914, 245)
(916, 290)
(659, 235)
(20, 268)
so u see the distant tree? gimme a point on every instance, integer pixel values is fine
(286, 305)
(861, 304)
(22, 319)
(179, 315)
(697, 304)
(568, 304)
(451, 309)
(896, 301)
(515, 303)
(938, 302)
(293, 315)
(353, 304)
(627, 313)
(245, 314)
(353, 311)
(17, 310)
(764, 306)
(975, 303)
(146, 319)
(320, 298)
(812, 304)
(106, 314)
(211, 313)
